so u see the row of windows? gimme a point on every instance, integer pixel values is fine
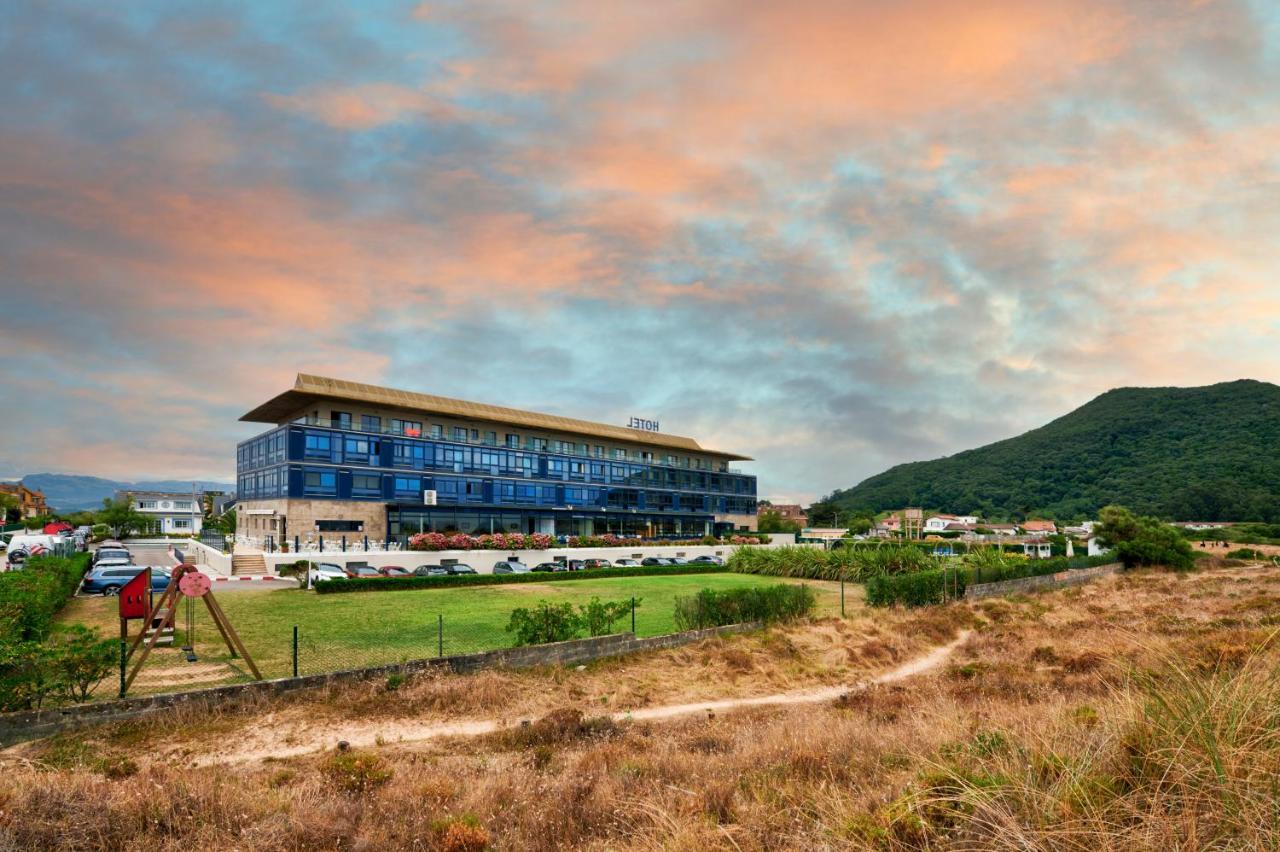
(362, 450)
(457, 490)
(511, 440)
(261, 451)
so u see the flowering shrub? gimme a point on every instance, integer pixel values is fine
(494, 541)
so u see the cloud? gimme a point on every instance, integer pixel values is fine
(831, 235)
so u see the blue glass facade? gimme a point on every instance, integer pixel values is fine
(482, 486)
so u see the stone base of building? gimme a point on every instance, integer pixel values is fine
(287, 518)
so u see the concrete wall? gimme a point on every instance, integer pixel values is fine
(483, 560)
(28, 725)
(1062, 579)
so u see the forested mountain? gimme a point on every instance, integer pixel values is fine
(1209, 453)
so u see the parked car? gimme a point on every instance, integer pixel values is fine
(653, 560)
(551, 566)
(431, 571)
(598, 563)
(29, 541)
(104, 553)
(394, 571)
(109, 579)
(509, 566)
(362, 571)
(577, 565)
(677, 560)
(707, 559)
(321, 571)
(624, 563)
(460, 568)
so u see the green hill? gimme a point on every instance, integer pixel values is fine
(1210, 453)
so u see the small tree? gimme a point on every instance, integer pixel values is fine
(80, 659)
(598, 617)
(1144, 541)
(121, 517)
(546, 622)
(8, 507)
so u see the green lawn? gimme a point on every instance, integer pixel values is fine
(371, 628)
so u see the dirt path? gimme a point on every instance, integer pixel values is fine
(264, 741)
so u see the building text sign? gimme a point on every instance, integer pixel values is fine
(642, 423)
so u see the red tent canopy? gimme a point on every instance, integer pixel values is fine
(57, 527)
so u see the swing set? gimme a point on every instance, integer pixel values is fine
(185, 583)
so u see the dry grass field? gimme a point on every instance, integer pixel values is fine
(1138, 712)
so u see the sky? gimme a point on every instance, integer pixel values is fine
(833, 236)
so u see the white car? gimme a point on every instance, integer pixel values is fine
(626, 563)
(320, 571)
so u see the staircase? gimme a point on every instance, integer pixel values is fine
(166, 635)
(248, 565)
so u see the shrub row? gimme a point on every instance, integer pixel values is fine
(31, 597)
(921, 588)
(39, 662)
(397, 584)
(768, 604)
(551, 622)
(855, 563)
(918, 588)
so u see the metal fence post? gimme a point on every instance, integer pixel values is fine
(295, 650)
(842, 596)
(440, 636)
(124, 657)
(633, 616)
(344, 544)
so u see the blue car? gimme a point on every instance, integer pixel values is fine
(109, 579)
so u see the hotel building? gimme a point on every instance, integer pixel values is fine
(343, 458)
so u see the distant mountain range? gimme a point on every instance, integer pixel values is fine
(1195, 454)
(68, 493)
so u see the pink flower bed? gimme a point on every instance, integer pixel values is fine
(541, 541)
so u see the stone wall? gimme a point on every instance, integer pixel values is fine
(27, 725)
(1062, 579)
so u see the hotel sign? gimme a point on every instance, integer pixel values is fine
(643, 424)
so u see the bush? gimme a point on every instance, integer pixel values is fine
(767, 604)
(30, 598)
(356, 771)
(1144, 541)
(80, 659)
(549, 622)
(1246, 553)
(855, 563)
(397, 584)
(918, 588)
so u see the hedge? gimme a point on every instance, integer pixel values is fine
(768, 604)
(398, 584)
(853, 563)
(921, 588)
(32, 596)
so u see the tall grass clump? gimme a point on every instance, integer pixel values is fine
(1192, 761)
(767, 604)
(854, 564)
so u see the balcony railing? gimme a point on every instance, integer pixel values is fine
(684, 463)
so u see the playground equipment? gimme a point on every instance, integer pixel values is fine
(185, 581)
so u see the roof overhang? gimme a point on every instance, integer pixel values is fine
(309, 389)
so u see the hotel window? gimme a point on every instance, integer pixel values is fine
(491, 438)
(146, 504)
(672, 460)
(475, 434)
(408, 486)
(646, 456)
(316, 446)
(412, 428)
(182, 506)
(538, 444)
(599, 451)
(366, 484)
(370, 423)
(340, 526)
(513, 440)
(459, 433)
(437, 431)
(357, 446)
(320, 482)
(618, 453)
(340, 419)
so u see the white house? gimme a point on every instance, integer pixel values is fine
(169, 512)
(938, 523)
(1095, 548)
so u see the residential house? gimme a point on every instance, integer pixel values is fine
(788, 512)
(1036, 527)
(31, 503)
(1001, 529)
(938, 523)
(168, 512)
